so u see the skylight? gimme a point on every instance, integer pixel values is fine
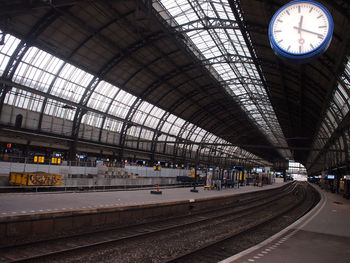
(211, 27)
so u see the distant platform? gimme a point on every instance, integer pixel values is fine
(321, 236)
(17, 204)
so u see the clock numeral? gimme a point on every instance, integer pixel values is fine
(311, 9)
(311, 46)
(298, 9)
(299, 49)
(320, 37)
(322, 26)
(277, 31)
(280, 41)
(288, 12)
(288, 48)
(319, 16)
(279, 20)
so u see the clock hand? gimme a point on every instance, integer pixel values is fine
(300, 24)
(308, 31)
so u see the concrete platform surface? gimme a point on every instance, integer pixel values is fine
(16, 204)
(322, 236)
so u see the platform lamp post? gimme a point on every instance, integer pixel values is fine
(194, 190)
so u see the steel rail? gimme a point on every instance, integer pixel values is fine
(259, 201)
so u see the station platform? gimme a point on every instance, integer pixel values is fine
(18, 204)
(322, 235)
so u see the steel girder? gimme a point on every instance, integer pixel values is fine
(102, 72)
(21, 50)
(65, 101)
(337, 133)
(205, 24)
(185, 48)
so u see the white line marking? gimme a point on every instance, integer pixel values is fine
(297, 225)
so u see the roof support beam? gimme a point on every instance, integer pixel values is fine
(68, 102)
(21, 50)
(181, 141)
(206, 23)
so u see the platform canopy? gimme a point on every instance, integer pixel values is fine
(180, 75)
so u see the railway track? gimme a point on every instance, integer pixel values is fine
(46, 251)
(223, 247)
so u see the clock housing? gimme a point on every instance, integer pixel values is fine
(301, 31)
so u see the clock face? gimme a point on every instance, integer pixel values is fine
(301, 27)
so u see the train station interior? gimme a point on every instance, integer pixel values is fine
(105, 96)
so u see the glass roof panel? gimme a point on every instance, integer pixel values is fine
(152, 121)
(146, 134)
(147, 115)
(187, 131)
(25, 100)
(197, 135)
(37, 69)
(102, 96)
(57, 109)
(223, 38)
(92, 119)
(176, 127)
(134, 131)
(168, 123)
(71, 83)
(121, 104)
(106, 89)
(113, 125)
(7, 50)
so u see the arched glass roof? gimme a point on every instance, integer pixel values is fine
(212, 28)
(52, 87)
(332, 124)
(172, 79)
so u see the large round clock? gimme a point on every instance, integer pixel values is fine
(301, 31)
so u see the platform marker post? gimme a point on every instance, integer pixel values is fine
(156, 192)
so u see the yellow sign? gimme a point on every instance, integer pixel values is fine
(39, 159)
(56, 160)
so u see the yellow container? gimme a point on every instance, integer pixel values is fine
(44, 179)
(24, 179)
(57, 179)
(18, 180)
(35, 179)
(12, 179)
